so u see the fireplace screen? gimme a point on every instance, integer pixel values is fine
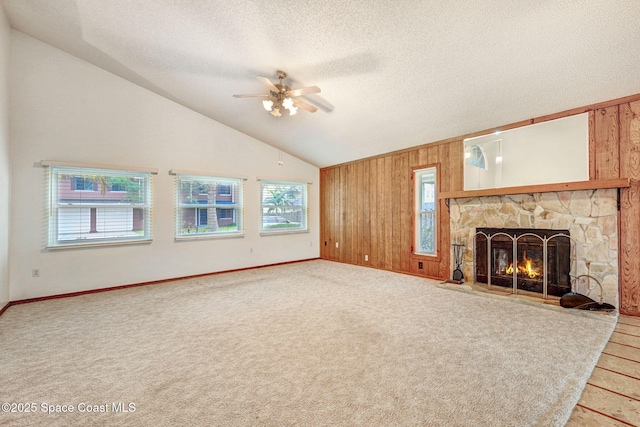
(533, 260)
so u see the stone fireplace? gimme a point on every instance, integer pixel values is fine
(587, 218)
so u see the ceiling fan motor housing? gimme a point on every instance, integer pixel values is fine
(282, 89)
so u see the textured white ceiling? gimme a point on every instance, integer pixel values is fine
(393, 74)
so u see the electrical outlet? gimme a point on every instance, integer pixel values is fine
(35, 272)
(420, 265)
(366, 257)
(337, 244)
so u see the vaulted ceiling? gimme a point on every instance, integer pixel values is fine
(393, 74)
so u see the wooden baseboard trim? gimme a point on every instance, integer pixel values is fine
(3, 309)
(154, 282)
(408, 273)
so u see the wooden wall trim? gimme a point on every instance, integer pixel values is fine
(588, 108)
(541, 188)
(606, 155)
(3, 309)
(592, 145)
(629, 251)
(439, 230)
(629, 228)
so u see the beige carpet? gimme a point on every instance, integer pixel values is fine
(307, 344)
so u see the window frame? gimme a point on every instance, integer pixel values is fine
(229, 193)
(84, 182)
(56, 204)
(236, 204)
(303, 208)
(417, 174)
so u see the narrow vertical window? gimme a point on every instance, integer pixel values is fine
(426, 218)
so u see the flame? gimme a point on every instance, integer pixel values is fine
(524, 268)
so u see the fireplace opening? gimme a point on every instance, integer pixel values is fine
(534, 260)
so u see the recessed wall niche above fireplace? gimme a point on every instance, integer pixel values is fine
(534, 260)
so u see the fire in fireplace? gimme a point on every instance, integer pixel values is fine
(535, 260)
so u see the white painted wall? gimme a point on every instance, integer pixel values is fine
(5, 164)
(68, 110)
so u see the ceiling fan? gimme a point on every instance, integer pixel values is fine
(282, 96)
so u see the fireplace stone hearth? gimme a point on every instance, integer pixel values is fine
(590, 216)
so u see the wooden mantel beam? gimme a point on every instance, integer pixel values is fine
(542, 188)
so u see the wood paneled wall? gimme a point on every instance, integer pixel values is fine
(615, 153)
(367, 215)
(367, 205)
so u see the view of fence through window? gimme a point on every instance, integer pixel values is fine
(94, 205)
(426, 224)
(208, 206)
(284, 206)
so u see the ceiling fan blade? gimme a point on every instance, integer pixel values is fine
(267, 82)
(303, 91)
(251, 96)
(304, 106)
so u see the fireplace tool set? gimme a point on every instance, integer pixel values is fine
(458, 251)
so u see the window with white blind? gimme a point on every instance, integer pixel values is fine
(91, 206)
(426, 218)
(284, 206)
(208, 206)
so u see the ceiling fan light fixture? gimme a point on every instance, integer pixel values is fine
(267, 104)
(287, 103)
(293, 110)
(276, 112)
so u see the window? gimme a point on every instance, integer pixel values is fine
(82, 183)
(117, 187)
(475, 157)
(284, 206)
(426, 218)
(84, 210)
(225, 213)
(203, 218)
(208, 206)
